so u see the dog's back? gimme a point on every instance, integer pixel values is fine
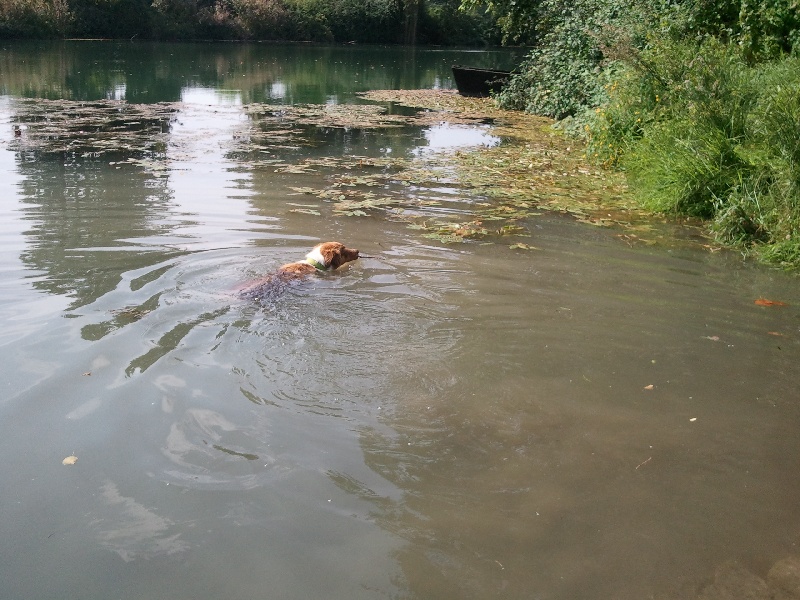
(324, 257)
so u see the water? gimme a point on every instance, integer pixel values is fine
(586, 420)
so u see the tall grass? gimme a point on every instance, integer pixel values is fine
(697, 100)
(702, 131)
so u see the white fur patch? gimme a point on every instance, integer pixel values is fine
(316, 256)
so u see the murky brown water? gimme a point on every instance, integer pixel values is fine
(587, 420)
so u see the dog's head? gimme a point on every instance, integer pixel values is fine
(332, 255)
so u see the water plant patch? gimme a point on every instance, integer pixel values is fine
(451, 194)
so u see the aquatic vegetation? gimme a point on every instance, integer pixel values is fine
(92, 128)
(455, 194)
(534, 169)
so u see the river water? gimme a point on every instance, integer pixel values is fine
(591, 419)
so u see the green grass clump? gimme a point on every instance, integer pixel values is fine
(702, 131)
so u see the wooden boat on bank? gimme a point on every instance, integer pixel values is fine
(472, 81)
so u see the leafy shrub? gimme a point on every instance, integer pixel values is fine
(775, 119)
(517, 21)
(701, 132)
(632, 104)
(261, 19)
(769, 28)
(175, 19)
(556, 81)
(563, 74)
(378, 21)
(443, 23)
(33, 18)
(111, 18)
(773, 147)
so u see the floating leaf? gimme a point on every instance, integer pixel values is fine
(765, 302)
(304, 190)
(295, 169)
(444, 238)
(511, 230)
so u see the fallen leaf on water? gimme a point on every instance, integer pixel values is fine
(649, 387)
(70, 460)
(765, 302)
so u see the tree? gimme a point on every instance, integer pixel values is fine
(518, 19)
(411, 10)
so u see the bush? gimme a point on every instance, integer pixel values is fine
(632, 104)
(563, 74)
(371, 21)
(443, 23)
(701, 132)
(261, 19)
(775, 119)
(111, 18)
(33, 18)
(175, 19)
(773, 147)
(558, 76)
(769, 28)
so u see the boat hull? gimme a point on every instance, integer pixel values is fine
(472, 81)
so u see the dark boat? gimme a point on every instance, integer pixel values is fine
(472, 81)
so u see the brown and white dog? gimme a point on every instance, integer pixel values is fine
(324, 257)
(327, 256)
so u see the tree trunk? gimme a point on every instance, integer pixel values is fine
(411, 9)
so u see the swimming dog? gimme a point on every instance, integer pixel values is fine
(324, 257)
(327, 256)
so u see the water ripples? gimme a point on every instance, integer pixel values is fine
(238, 383)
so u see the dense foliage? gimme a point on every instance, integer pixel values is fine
(697, 101)
(377, 21)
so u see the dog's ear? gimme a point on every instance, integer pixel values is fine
(335, 254)
(331, 254)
